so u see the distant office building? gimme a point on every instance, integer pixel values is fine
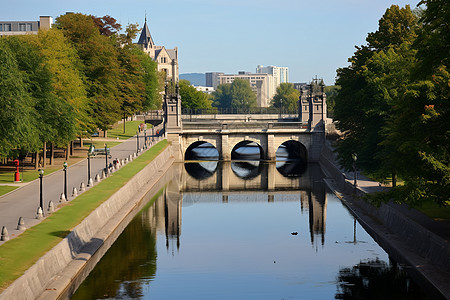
(205, 89)
(212, 79)
(25, 27)
(167, 59)
(261, 84)
(280, 74)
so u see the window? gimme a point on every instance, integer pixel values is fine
(5, 27)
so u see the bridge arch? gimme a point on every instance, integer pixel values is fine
(201, 150)
(247, 150)
(292, 150)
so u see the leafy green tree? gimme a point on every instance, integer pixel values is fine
(377, 76)
(152, 80)
(17, 119)
(331, 91)
(100, 66)
(67, 81)
(286, 96)
(242, 95)
(222, 96)
(191, 98)
(419, 127)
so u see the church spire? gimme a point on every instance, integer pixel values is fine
(145, 38)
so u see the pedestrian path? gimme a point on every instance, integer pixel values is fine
(24, 201)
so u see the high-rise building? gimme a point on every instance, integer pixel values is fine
(212, 79)
(280, 74)
(167, 59)
(25, 27)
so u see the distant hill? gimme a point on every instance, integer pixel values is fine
(194, 78)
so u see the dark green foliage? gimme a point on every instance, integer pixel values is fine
(191, 98)
(393, 106)
(286, 96)
(238, 95)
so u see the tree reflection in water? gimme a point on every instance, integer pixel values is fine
(375, 279)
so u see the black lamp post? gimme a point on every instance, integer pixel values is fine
(354, 157)
(145, 138)
(41, 198)
(153, 133)
(65, 180)
(137, 141)
(106, 160)
(91, 150)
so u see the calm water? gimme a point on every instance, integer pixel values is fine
(226, 233)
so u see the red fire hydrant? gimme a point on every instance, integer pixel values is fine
(17, 174)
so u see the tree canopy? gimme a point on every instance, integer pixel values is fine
(191, 98)
(393, 105)
(238, 95)
(286, 96)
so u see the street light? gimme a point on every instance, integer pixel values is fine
(41, 199)
(106, 160)
(90, 152)
(137, 142)
(145, 138)
(354, 157)
(65, 180)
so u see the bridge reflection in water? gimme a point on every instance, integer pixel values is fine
(252, 181)
(231, 229)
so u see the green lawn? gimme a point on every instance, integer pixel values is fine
(6, 189)
(101, 144)
(19, 254)
(27, 175)
(130, 130)
(435, 211)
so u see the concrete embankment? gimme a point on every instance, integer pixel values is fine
(407, 235)
(49, 277)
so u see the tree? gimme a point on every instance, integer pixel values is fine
(191, 98)
(107, 25)
(17, 121)
(331, 91)
(66, 80)
(286, 96)
(377, 76)
(152, 80)
(100, 66)
(242, 95)
(222, 96)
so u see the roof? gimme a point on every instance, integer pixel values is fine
(145, 37)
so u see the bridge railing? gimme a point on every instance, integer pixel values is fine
(244, 125)
(238, 111)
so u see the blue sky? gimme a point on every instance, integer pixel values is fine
(310, 37)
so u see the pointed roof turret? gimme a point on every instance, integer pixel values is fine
(145, 38)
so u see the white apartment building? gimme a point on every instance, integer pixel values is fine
(280, 74)
(261, 84)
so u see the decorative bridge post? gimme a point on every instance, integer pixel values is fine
(172, 110)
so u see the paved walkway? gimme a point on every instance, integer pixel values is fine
(24, 201)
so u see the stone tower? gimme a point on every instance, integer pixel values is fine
(312, 105)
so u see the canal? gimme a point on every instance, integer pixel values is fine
(246, 230)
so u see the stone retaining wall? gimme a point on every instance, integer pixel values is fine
(63, 262)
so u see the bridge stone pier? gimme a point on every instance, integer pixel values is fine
(269, 134)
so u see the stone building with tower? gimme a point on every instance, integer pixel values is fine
(167, 59)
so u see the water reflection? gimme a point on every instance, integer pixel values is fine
(226, 231)
(246, 169)
(374, 279)
(201, 170)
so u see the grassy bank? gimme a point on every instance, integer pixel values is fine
(130, 130)
(19, 254)
(6, 189)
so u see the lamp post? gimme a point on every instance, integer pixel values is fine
(354, 157)
(153, 134)
(145, 138)
(137, 142)
(106, 160)
(91, 150)
(41, 199)
(65, 180)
